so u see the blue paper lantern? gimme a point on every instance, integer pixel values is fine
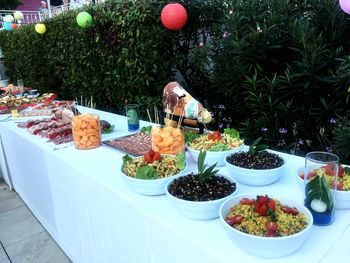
(7, 26)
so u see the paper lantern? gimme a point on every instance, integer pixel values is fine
(14, 26)
(40, 28)
(7, 26)
(8, 18)
(84, 19)
(173, 16)
(345, 5)
(18, 15)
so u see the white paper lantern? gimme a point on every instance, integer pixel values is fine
(18, 15)
(9, 18)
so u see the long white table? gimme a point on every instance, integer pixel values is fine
(81, 199)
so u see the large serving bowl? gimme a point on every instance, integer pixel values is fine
(268, 247)
(212, 157)
(342, 198)
(198, 210)
(253, 176)
(148, 186)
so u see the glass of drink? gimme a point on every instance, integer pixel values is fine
(132, 115)
(320, 179)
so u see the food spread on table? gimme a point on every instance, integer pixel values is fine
(266, 217)
(10, 102)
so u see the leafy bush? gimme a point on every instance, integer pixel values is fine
(282, 69)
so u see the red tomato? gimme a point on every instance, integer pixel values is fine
(147, 158)
(237, 219)
(271, 234)
(290, 210)
(271, 226)
(311, 174)
(151, 153)
(156, 157)
(339, 186)
(261, 199)
(261, 209)
(247, 201)
(271, 204)
(301, 175)
(341, 171)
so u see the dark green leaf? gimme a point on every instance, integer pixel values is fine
(146, 172)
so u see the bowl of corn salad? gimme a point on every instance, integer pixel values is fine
(259, 224)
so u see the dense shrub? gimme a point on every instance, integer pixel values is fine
(281, 68)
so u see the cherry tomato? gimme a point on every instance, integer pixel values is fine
(151, 153)
(271, 226)
(147, 158)
(311, 174)
(237, 219)
(339, 186)
(262, 199)
(341, 171)
(290, 210)
(261, 209)
(247, 201)
(271, 204)
(234, 220)
(156, 157)
(271, 234)
(302, 175)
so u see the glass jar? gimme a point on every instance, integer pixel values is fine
(132, 115)
(86, 131)
(320, 180)
(168, 139)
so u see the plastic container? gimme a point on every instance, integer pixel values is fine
(86, 131)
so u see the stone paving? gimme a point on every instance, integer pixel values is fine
(22, 237)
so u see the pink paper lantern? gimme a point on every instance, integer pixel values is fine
(345, 5)
(174, 16)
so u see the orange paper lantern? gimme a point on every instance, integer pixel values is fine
(173, 16)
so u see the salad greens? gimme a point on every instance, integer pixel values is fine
(219, 147)
(109, 130)
(146, 129)
(126, 158)
(233, 133)
(181, 161)
(190, 136)
(146, 172)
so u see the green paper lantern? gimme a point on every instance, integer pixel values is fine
(18, 15)
(84, 19)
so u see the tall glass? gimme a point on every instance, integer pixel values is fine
(133, 116)
(20, 85)
(321, 175)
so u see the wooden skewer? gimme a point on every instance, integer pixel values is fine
(149, 116)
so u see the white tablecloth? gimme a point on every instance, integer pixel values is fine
(83, 202)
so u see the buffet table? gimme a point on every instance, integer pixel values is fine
(82, 201)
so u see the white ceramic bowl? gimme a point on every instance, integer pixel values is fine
(342, 198)
(212, 157)
(198, 210)
(252, 176)
(148, 187)
(268, 247)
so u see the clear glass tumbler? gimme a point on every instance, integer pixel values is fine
(320, 180)
(20, 85)
(133, 116)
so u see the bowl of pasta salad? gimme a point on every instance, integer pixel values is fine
(216, 144)
(148, 174)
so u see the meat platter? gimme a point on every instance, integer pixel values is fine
(134, 144)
